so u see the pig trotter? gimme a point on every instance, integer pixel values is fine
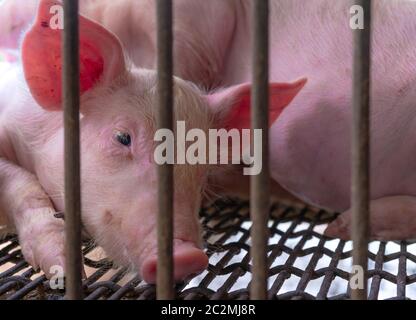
(42, 239)
(30, 210)
(391, 218)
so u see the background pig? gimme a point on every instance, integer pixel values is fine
(310, 144)
(119, 188)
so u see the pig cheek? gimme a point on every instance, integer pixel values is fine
(106, 232)
(105, 228)
(132, 215)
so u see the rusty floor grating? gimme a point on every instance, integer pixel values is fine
(303, 263)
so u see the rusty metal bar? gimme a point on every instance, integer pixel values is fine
(259, 185)
(70, 81)
(164, 120)
(360, 178)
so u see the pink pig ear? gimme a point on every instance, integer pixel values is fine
(233, 104)
(101, 57)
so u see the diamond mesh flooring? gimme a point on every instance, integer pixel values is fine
(303, 264)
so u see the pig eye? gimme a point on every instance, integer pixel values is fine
(124, 138)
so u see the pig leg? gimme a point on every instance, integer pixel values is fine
(391, 218)
(29, 208)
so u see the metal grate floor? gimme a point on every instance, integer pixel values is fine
(303, 263)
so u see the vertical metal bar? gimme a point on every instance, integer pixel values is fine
(165, 172)
(360, 179)
(70, 80)
(259, 186)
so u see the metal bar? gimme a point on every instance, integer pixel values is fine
(360, 178)
(70, 81)
(165, 172)
(259, 185)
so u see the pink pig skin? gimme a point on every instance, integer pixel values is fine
(309, 142)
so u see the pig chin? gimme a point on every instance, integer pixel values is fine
(136, 248)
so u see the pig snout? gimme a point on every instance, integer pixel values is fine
(188, 259)
(131, 239)
(188, 256)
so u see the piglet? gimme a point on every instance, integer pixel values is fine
(117, 123)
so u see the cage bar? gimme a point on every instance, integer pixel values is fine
(70, 80)
(165, 285)
(360, 178)
(259, 185)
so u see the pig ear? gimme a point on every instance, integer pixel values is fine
(233, 104)
(101, 56)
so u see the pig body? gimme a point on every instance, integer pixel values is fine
(310, 142)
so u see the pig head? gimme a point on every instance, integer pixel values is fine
(119, 186)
